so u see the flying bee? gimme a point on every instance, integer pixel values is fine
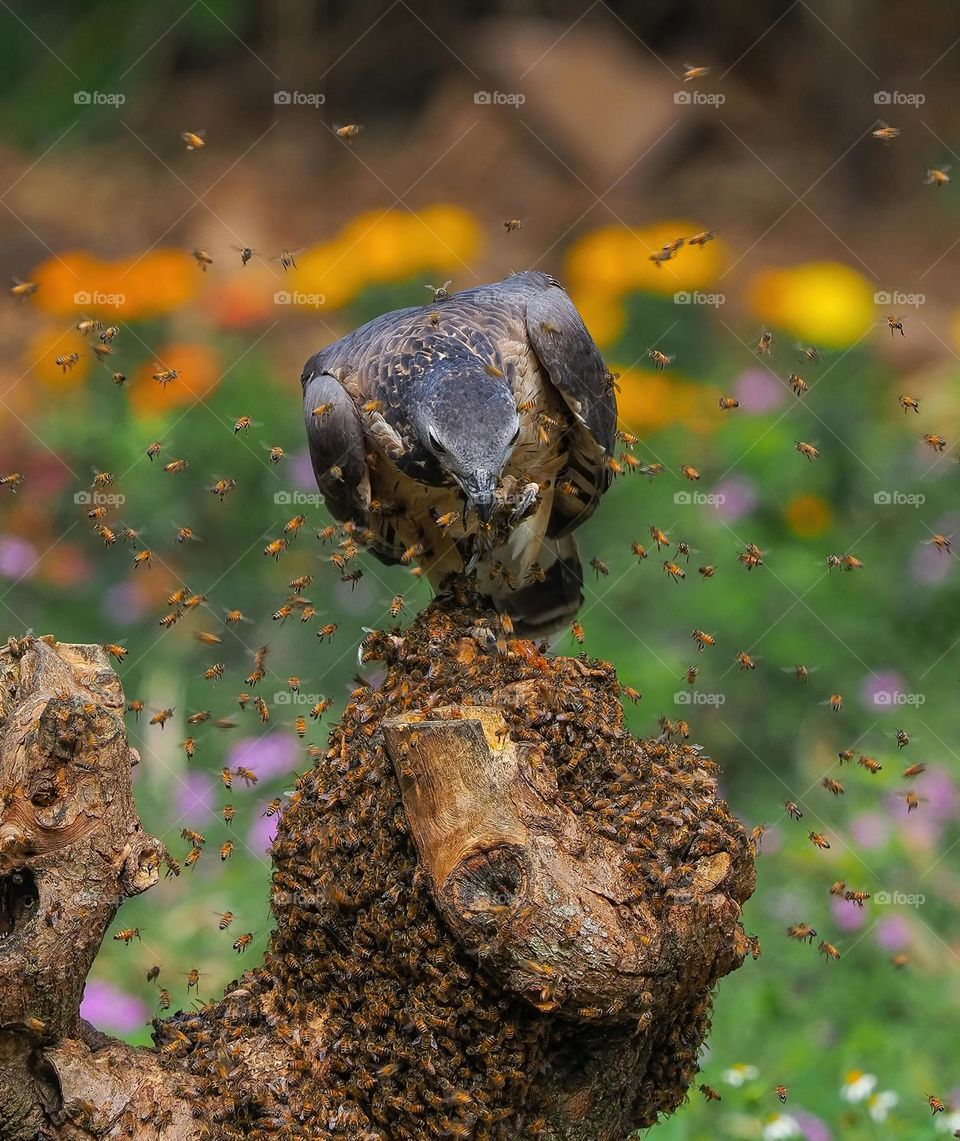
(189, 747)
(202, 258)
(97, 512)
(818, 840)
(320, 708)
(193, 980)
(23, 288)
(902, 738)
(792, 810)
(109, 538)
(245, 252)
(691, 72)
(577, 631)
(511, 225)
(136, 707)
(701, 239)
(660, 256)
(292, 526)
(127, 935)
(708, 1091)
(176, 466)
(651, 470)
(164, 999)
(885, 133)
(115, 651)
(600, 568)
(857, 897)
(232, 617)
(163, 377)
(838, 889)
(242, 424)
(765, 343)
(658, 537)
(728, 403)
(276, 453)
(802, 932)
(440, 292)
(226, 850)
(691, 674)
(941, 542)
(908, 402)
(911, 800)
(67, 361)
(288, 258)
(195, 140)
(914, 770)
(690, 472)
(273, 807)
(744, 661)
(872, 766)
(153, 450)
(639, 550)
(396, 605)
(808, 354)
(300, 726)
(142, 558)
(85, 326)
(222, 488)
(675, 572)
(109, 334)
(833, 786)
(348, 131)
(850, 563)
(898, 962)
(936, 1105)
(702, 639)
(894, 324)
(660, 360)
(214, 672)
(242, 942)
(836, 702)
(630, 693)
(938, 443)
(12, 481)
(798, 384)
(226, 776)
(327, 632)
(161, 717)
(937, 176)
(808, 451)
(828, 950)
(119, 378)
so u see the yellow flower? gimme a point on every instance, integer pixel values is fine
(76, 283)
(649, 401)
(823, 302)
(808, 515)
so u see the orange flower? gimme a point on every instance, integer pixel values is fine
(52, 344)
(808, 515)
(199, 374)
(649, 401)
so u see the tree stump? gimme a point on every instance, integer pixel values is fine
(497, 913)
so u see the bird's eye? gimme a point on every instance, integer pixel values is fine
(435, 443)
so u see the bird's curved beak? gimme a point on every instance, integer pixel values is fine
(479, 489)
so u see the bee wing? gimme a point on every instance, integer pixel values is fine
(793, 669)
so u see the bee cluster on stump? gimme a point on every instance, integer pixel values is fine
(389, 1028)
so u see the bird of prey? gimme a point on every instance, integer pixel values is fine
(471, 434)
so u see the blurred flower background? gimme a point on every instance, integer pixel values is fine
(577, 122)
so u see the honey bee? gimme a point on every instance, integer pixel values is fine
(12, 481)
(802, 932)
(872, 766)
(226, 776)
(127, 935)
(348, 132)
(782, 1093)
(894, 324)
(599, 567)
(86, 326)
(914, 770)
(941, 542)
(658, 537)
(660, 360)
(300, 726)
(185, 534)
(115, 651)
(938, 443)
(850, 563)
(440, 292)
(828, 950)
(226, 850)
(176, 466)
(660, 256)
(817, 839)
(744, 661)
(911, 800)
(445, 521)
(691, 72)
(246, 775)
(214, 672)
(709, 1093)
(577, 631)
(164, 999)
(193, 980)
(765, 343)
(834, 561)
(222, 488)
(142, 558)
(792, 810)
(242, 942)
(327, 632)
(192, 856)
(512, 225)
(195, 140)
(276, 454)
(836, 702)
(242, 424)
(161, 717)
(263, 710)
(232, 617)
(937, 176)
(899, 961)
(756, 834)
(119, 378)
(136, 708)
(751, 556)
(288, 258)
(808, 354)
(690, 472)
(320, 708)
(701, 239)
(651, 470)
(153, 974)
(630, 693)
(67, 361)
(101, 351)
(885, 132)
(798, 384)
(23, 288)
(857, 897)
(322, 410)
(936, 1105)
(833, 786)
(396, 605)
(675, 572)
(838, 889)
(163, 377)
(702, 639)
(728, 403)
(109, 538)
(808, 451)
(638, 550)
(691, 674)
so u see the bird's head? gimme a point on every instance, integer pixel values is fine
(470, 424)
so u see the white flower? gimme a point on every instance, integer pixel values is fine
(858, 1086)
(880, 1104)
(779, 1127)
(740, 1073)
(946, 1122)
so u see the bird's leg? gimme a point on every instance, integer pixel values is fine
(525, 500)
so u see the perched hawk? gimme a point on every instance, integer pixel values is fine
(472, 433)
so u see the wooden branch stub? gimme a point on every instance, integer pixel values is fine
(544, 902)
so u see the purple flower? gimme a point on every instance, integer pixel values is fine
(880, 691)
(18, 558)
(300, 471)
(735, 497)
(758, 391)
(195, 799)
(870, 830)
(929, 565)
(110, 1009)
(262, 833)
(268, 756)
(892, 933)
(812, 1128)
(846, 915)
(123, 602)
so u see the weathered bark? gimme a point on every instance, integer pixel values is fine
(497, 914)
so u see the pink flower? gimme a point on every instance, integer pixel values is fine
(111, 1009)
(758, 391)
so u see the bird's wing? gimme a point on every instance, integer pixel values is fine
(572, 361)
(336, 441)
